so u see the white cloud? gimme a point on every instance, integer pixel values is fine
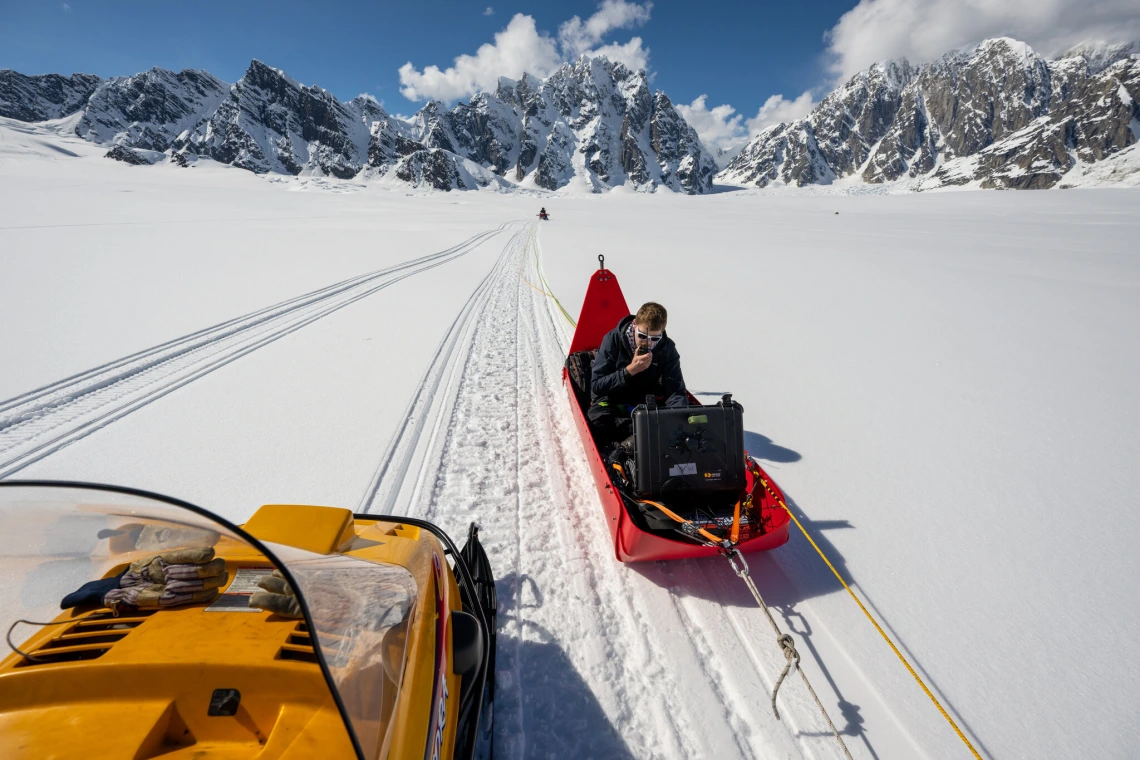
(489, 11)
(520, 48)
(719, 128)
(722, 128)
(578, 36)
(922, 30)
(778, 109)
(66, 8)
(632, 54)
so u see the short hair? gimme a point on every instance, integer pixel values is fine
(651, 316)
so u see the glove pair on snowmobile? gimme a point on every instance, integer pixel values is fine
(167, 579)
(182, 576)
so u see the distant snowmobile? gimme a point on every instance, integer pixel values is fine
(543, 215)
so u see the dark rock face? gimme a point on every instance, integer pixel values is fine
(488, 129)
(151, 109)
(679, 149)
(388, 144)
(431, 167)
(270, 123)
(127, 156)
(1100, 119)
(45, 96)
(999, 116)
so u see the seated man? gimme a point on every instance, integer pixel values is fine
(636, 359)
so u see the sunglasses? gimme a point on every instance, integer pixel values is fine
(646, 336)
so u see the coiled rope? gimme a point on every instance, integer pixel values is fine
(786, 643)
(728, 550)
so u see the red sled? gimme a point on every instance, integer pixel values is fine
(602, 309)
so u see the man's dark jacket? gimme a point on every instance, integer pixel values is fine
(611, 382)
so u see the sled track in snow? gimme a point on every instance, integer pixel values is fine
(41, 421)
(408, 459)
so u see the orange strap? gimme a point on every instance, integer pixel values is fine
(704, 533)
(734, 536)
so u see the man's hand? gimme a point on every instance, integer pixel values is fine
(640, 363)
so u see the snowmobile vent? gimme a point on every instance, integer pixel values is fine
(87, 638)
(299, 646)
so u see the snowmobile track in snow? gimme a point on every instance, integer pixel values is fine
(430, 405)
(41, 421)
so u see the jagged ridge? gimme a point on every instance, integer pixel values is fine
(998, 115)
(593, 122)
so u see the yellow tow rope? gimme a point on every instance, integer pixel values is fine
(875, 623)
(545, 290)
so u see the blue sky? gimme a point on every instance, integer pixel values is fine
(738, 52)
(761, 61)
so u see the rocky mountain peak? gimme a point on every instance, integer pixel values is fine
(997, 114)
(44, 96)
(1095, 57)
(532, 129)
(151, 109)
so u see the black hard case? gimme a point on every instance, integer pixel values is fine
(678, 451)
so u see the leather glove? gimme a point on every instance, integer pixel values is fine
(168, 579)
(276, 596)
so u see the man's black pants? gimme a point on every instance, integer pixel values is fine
(610, 422)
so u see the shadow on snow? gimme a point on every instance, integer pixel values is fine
(552, 713)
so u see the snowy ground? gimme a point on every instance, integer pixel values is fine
(942, 383)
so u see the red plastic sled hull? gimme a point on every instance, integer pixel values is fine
(603, 307)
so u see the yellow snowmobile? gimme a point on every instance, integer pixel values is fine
(368, 636)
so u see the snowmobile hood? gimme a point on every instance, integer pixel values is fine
(363, 674)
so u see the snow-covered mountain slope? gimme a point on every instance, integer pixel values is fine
(44, 96)
(997, 115)
(151, 109)
(593, 123)
(269, 122)
(993, 116)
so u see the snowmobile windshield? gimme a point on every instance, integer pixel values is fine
(55, 538)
